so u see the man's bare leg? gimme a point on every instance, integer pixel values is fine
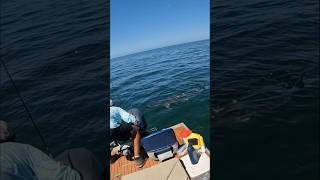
(136, 138)
(136, 144)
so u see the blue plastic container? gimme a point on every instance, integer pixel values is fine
(193, 155)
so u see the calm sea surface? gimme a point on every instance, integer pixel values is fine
(266, 89)
(169, 85)
(56, 53)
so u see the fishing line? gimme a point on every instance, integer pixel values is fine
(27, 109)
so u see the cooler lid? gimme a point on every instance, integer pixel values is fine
(158, 140)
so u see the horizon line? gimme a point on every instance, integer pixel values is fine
(157, 48)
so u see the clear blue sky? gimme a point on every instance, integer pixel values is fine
(138, 25)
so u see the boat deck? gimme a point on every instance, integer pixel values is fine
(122, 166)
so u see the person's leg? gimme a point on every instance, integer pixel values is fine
(136, 138)
(83, 161)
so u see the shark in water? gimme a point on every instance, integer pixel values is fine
(182, 97)
(167, 103)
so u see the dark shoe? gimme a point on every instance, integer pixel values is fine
(139, 161)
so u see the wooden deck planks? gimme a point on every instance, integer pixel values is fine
(123, 167)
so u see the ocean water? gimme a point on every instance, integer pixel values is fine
(56, 52)
(265, 103)
(169, 85)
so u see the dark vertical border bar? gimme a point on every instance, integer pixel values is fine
(107, 81)
(212, 88)
(254, 152)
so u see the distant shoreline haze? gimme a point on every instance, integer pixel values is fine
(159, 47)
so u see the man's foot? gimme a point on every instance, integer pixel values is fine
(139, 161)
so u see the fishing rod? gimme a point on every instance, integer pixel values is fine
(27, 109)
